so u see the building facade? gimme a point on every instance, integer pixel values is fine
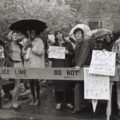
(97, 13)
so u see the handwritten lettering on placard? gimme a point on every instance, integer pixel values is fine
(96, 86)
(56, 52)
(103, 63)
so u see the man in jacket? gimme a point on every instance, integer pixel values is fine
(82, 57)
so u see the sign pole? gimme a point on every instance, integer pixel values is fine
(109, 108)
(0, 92)
(94, 104)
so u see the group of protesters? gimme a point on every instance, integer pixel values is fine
(28, 53)
(28, 50)
(78, 54)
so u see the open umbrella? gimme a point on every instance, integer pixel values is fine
(98, 33)
(28, 24)
(84, 27)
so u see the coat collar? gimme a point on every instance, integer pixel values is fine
(80, 41)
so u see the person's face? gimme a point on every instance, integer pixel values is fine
(20, 36)
(59, 36)
(15, 36)
(78, 35)
(44, 35)
(108, 39)
(32, 34)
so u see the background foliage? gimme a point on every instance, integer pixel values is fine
(56, 17)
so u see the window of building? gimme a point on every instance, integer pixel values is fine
(94, 24)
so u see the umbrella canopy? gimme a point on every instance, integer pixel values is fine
(28, 24)
(98, 33)
(84, 27)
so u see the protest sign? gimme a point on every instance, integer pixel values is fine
(96, 86)
(1, 52)
(56, 52)
(103, 63)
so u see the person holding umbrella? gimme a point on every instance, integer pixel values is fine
(37, 33)
(37, 61)
(37, 37)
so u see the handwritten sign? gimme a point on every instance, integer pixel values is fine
(1, 52)
(103, 63)
(96, 86)
(56, 52)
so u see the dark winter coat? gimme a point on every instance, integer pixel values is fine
(67, 62)
(100, 45)
(83, 53)
(63, 85)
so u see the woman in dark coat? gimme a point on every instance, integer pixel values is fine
(63, 87)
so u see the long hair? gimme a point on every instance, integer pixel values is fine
(56, 33)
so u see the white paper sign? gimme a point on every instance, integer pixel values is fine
(1, 52)
(56, 52)
(103, 63)
(96, 86)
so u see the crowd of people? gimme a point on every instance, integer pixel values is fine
(28, 50)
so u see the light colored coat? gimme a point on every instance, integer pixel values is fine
(27, 57)
(116, 48)
(37, 54)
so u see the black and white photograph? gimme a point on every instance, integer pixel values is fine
(59, 59)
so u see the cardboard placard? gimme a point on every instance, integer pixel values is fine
(96, 86)
(103, 63)
(56, 52)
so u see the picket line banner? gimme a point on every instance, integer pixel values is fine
(96, 87)
(41, 73)
(103, 63)
(45, 73)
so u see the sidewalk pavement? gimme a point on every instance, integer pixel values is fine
(47, 110)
